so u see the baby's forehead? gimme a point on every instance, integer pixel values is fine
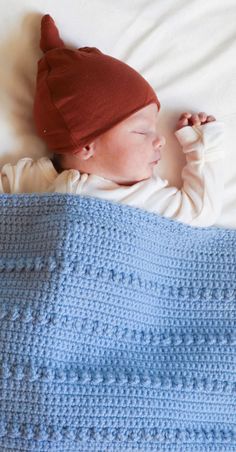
(140, 116)
(144, 114)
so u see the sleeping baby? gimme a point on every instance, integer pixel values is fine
(99, 117)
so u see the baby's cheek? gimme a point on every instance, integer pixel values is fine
(121, 161)
(129, 162)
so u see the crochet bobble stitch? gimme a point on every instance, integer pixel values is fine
(117, 329)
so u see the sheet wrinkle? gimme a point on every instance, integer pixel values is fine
(195, 69)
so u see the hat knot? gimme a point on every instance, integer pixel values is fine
(50, 38)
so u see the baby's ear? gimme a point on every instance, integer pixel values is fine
(86, 152)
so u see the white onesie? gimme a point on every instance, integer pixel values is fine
(197, 203)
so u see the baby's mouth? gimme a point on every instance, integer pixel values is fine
(157, 159)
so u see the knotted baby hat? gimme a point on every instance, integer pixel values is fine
(82, 93)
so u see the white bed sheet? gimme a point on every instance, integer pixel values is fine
(186, 49)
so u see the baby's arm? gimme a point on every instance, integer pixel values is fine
(199, 201)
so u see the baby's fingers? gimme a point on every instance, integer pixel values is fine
(185, 115)
(202, 116)
(196, 120)
(206, 118)
(183, 120)
(211, 118)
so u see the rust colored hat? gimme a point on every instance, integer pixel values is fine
(82, 93)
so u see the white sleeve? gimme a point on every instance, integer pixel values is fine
(25, 176)
(199, 201)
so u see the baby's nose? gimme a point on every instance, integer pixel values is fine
(160, 142)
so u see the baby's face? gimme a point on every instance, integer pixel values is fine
(125, 153)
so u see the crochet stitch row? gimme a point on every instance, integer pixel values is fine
(117, 329)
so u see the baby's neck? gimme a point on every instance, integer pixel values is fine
(56, 164)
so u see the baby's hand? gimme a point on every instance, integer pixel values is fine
(187, 119)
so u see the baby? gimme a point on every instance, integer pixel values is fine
(100, 119)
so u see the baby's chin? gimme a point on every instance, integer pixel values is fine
(149, 173)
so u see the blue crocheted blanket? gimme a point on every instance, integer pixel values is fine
(117, 329)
